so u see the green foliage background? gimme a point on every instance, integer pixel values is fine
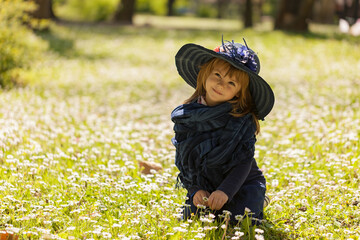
(95, 10)
(101, 10)
(18, 44)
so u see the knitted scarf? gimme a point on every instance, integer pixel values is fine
(209, 138)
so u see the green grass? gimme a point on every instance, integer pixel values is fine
(100, 100)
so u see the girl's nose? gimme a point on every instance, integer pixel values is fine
(220, 83)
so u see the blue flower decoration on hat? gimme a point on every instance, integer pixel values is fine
(239, 53)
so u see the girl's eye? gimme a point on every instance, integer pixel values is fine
(232, 84)
(218, 75)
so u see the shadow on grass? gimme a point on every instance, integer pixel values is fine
(128, 33)
(152, 31)
(65, 46)
(334, 35)
(168, 28)
(188, 33)
(61, 46)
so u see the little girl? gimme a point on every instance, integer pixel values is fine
(215, 129)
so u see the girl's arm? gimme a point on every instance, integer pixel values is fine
(230, 186)
(240, 172)
(235, 179)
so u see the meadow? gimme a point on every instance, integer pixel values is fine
(99, 100)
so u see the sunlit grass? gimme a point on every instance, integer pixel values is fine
(100, 100)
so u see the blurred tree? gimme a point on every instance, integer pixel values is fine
(170, 7)
(293, 14)
(221, 6)
(125, 12)
(248, 14)
(324, 11)
(44, 9)
(269, 7)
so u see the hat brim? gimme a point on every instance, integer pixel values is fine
(191, 56)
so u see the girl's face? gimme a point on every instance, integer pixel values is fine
(220, 87)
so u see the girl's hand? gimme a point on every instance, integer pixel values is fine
(217, 200)
(199, 198)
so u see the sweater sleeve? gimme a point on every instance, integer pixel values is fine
(192, 190)
(235, 179)
(240, 172)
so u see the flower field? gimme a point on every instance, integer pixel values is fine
(99, 101)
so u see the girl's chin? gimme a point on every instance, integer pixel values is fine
(213, 102)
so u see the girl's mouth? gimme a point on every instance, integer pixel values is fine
(216, 91)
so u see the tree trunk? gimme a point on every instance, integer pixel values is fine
(356, 9)
(170, 8)
(248, 16)
(260, 9)
(44, 9)
(125, 12)
(301, 23)
(324, 11)
(221, 7)
(293, 15)
(279, 19)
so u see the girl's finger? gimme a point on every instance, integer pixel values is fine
(195, 201)
(210, 202)
(198, 201)
(216, 205)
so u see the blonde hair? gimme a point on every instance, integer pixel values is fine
(243, 104)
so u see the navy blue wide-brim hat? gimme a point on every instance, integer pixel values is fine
(191, 57)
